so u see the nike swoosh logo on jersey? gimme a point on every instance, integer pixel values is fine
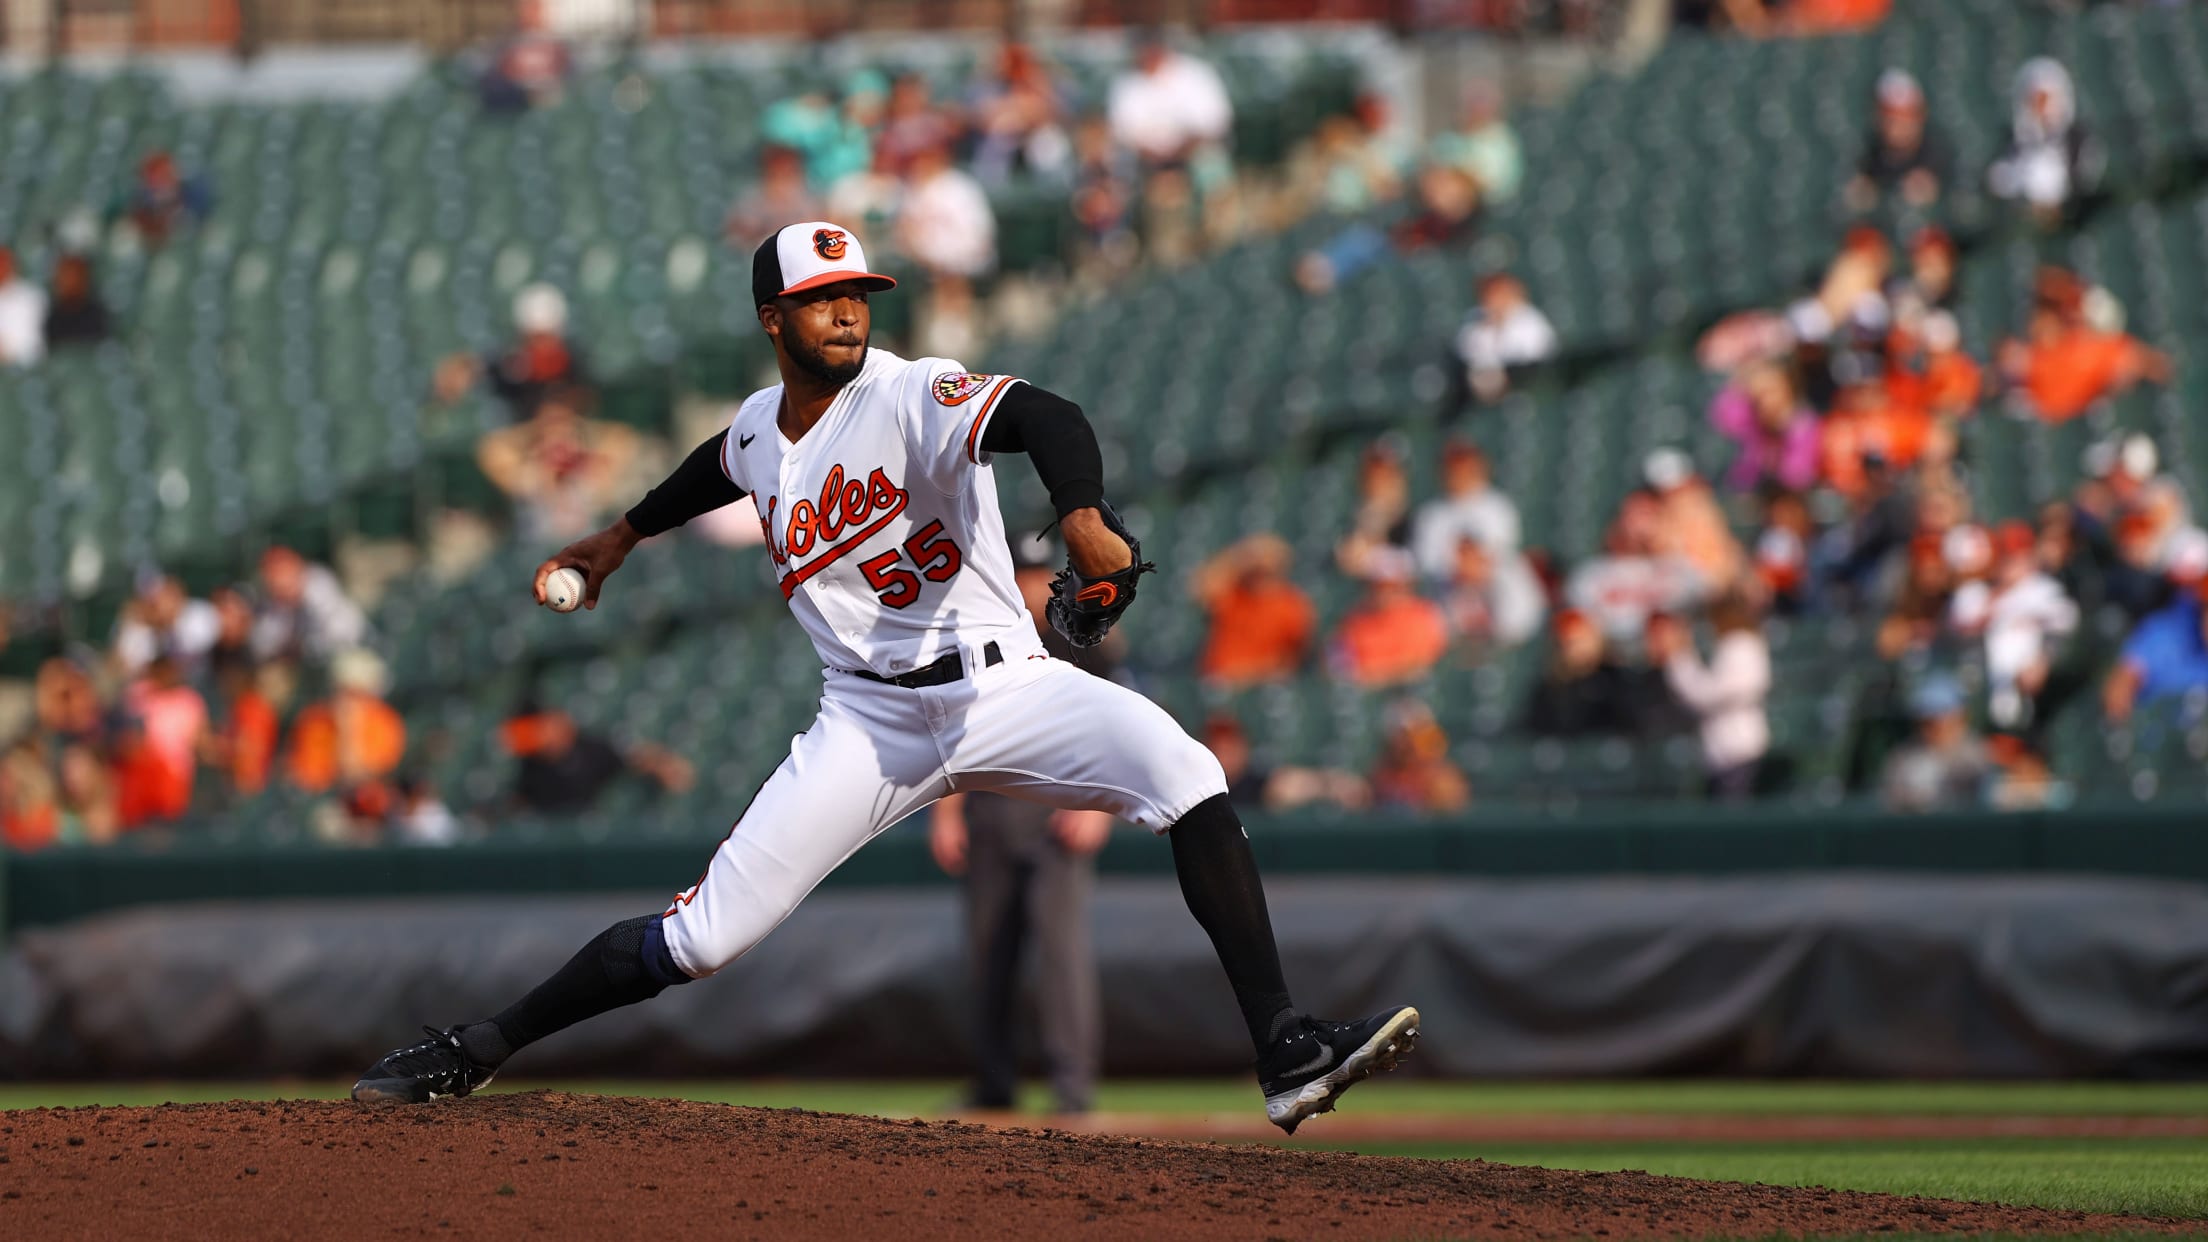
(744, 442)
(1317, 1063)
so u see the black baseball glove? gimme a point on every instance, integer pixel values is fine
(1085, 609)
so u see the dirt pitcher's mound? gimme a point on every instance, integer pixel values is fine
(587, 1166)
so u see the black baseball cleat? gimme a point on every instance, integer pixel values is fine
(418, 1073)
(1308, 1069)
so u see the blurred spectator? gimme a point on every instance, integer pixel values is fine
(1927, 370)
(157, 760)
(1349, 166)
(1584, 692)
(1903, 161)
(1726, 695)
(1491, 598)
(1018, 119)
(1169, 108)
(1482, 145)
(1392, 635)
(1447, 210)
(1782, 553)
(1815, 17)
(565, 770)
(1929, 285)
(1689, 523)
(75, 316)
(1849, 309)
(166, 200)
(421, 817)
(836, 140)
(1382, 518)
(543, 358)
(1103, 199)
(1630, 582)
(1920, 606)
(22, 316)
(2051, 160)
(161, 620)
(780, 196)
(1281, 788)
(233, 646)
(2166, 657)
(1413, 772)
(911, 125)
(528, 68)
(561, 470)
(351, 740)
(1261, 623)
(1847, 313)
(1762, 412)
(1948, 766)
(1506, 331)
(2065, 363)
(248, 721)
(945, 224)
(1468, 508)
(2020, 611)
(304, 613)
(1871, 434)
(55, 794)
(30, 799)
(1171, 111)
(66, 704)
(2124, 483)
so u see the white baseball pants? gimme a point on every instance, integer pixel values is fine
(1031, 727)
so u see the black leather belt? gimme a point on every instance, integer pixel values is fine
(949, 668)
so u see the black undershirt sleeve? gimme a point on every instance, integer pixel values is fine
(1056, 435)
(698, 486)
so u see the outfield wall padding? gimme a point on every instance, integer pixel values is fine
(157, 868)
(1886, 975)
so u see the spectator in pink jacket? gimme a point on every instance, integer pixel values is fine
(1762, 411)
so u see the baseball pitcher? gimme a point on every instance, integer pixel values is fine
(874, 478)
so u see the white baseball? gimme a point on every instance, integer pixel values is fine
(563, 590)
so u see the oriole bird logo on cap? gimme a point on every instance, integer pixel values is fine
(828, 243)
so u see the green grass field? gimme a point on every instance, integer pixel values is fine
(2153, 1176)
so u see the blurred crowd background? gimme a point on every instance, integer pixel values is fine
(1533, 403)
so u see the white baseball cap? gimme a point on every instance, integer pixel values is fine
(1667, 468)
(806, 256)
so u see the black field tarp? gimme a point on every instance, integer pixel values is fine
(1861, 974)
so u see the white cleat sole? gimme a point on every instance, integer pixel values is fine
(1377, 1055)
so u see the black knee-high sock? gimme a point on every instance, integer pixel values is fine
(626, 963)
(1211, 855)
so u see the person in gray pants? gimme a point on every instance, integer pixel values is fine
(1028, 870)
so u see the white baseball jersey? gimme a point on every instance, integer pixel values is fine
(882, 519)
(883, 524)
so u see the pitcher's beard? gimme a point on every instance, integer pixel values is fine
(815, 363)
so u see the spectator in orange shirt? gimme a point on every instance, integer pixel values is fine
(1392, 635)
(1810, 17)
(351, 740)
(1869, 426)
(245, 740)
(1261, 623)
(1927, 369)
(157, 763)
(2064, 365)
(30, 806)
